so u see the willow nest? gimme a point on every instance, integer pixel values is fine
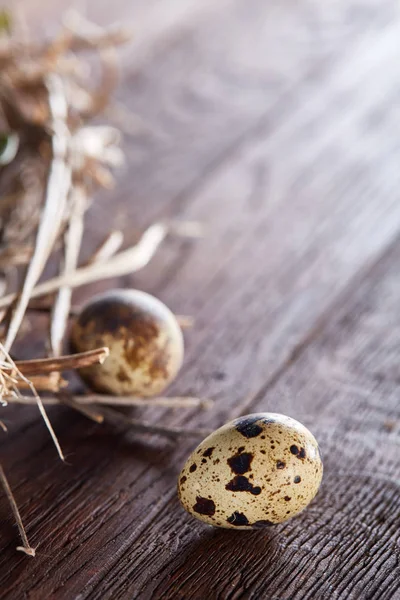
(52, 160)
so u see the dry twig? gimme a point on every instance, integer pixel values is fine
(124, 262)
(120, 401)
(73, 239)
(26, 547)
(60, 363)
(57, 188)
(108, 248)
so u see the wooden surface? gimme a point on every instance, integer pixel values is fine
(277, 124)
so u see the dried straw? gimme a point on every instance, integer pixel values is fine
(52, 160)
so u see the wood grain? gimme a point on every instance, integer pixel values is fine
(344, 386)
(277, 124)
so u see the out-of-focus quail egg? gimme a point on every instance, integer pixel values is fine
(144, 339)
(257, 470)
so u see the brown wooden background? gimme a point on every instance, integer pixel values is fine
(277, 124)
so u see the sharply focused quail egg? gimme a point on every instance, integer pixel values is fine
(144, 339)
(257, 470)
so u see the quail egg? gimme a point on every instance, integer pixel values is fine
(144, 339)
(255, 471)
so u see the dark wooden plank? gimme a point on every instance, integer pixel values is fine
(305, 196)
(346, 545)
(214, 84)
(221, 82)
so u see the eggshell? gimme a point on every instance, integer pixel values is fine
(255, 471)
(144, 339)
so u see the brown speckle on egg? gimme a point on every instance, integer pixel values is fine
(238, 519)
(204, 506)
(240, 463)
(249, 427)
(208, 452)
(246, 471)
(242, 484)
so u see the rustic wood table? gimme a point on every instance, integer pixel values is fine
(276, 123)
